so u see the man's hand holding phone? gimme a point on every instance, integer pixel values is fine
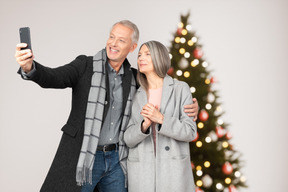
(24, 55)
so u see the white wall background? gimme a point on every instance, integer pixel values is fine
(245, 42)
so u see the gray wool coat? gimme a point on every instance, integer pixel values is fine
(170, 170)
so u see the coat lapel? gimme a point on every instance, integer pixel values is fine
(143, 97)
(167, 90)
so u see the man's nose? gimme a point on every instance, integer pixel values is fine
(114, 42)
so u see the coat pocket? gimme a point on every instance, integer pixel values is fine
(133, 155)
(70, 130)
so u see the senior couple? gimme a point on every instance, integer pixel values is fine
(128, 129)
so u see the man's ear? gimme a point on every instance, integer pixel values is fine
(133, 47)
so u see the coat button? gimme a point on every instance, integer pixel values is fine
(167, 148)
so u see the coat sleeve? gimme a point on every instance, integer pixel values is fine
(133, 134)
(181, 128)
(60, 77)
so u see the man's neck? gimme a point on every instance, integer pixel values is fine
(116, 65)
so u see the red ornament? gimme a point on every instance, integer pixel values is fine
(179, 31)
(203, 115)
(170, 71)
(212, 80)
(198, 190)
(192, 165)
(227, 168)
(220, 132)
(198, 53)
(232, 188)
(197, 136)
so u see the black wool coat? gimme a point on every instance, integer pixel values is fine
(76, 75)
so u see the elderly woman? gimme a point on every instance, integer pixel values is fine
(159, 131)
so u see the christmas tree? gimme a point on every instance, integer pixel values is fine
(216, 165)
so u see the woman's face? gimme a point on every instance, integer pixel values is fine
(145, 64)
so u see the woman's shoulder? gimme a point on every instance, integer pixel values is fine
(179, 85)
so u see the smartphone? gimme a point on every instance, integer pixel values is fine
(25, 37)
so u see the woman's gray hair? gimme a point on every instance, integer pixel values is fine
(161, 61)
(129, 24)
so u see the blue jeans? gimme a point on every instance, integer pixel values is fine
(107, 173)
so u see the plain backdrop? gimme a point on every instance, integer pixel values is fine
(244, 42)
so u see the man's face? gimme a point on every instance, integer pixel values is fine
(119, 44)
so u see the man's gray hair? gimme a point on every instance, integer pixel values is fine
(127, 23)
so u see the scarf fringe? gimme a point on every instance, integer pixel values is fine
(83, 176)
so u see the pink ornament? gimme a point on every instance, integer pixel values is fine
(203, 115)
(232, 188)
(228, 135)
(227, 168)
(220, 132)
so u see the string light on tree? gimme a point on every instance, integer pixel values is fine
(177, 39)
(200, 125)
(179, 73)
(194, 39)
(192, 89)
(190, 43)
(186, 55)
(204, 64)
(182, 40)
(208, 106)
(194, 63)
(207, 164)
(208, 139)
(186, 74)
(184, 32)
(219, 186)
(228, 180)
(182, 51)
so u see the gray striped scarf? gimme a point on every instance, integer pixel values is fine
(93, 122)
